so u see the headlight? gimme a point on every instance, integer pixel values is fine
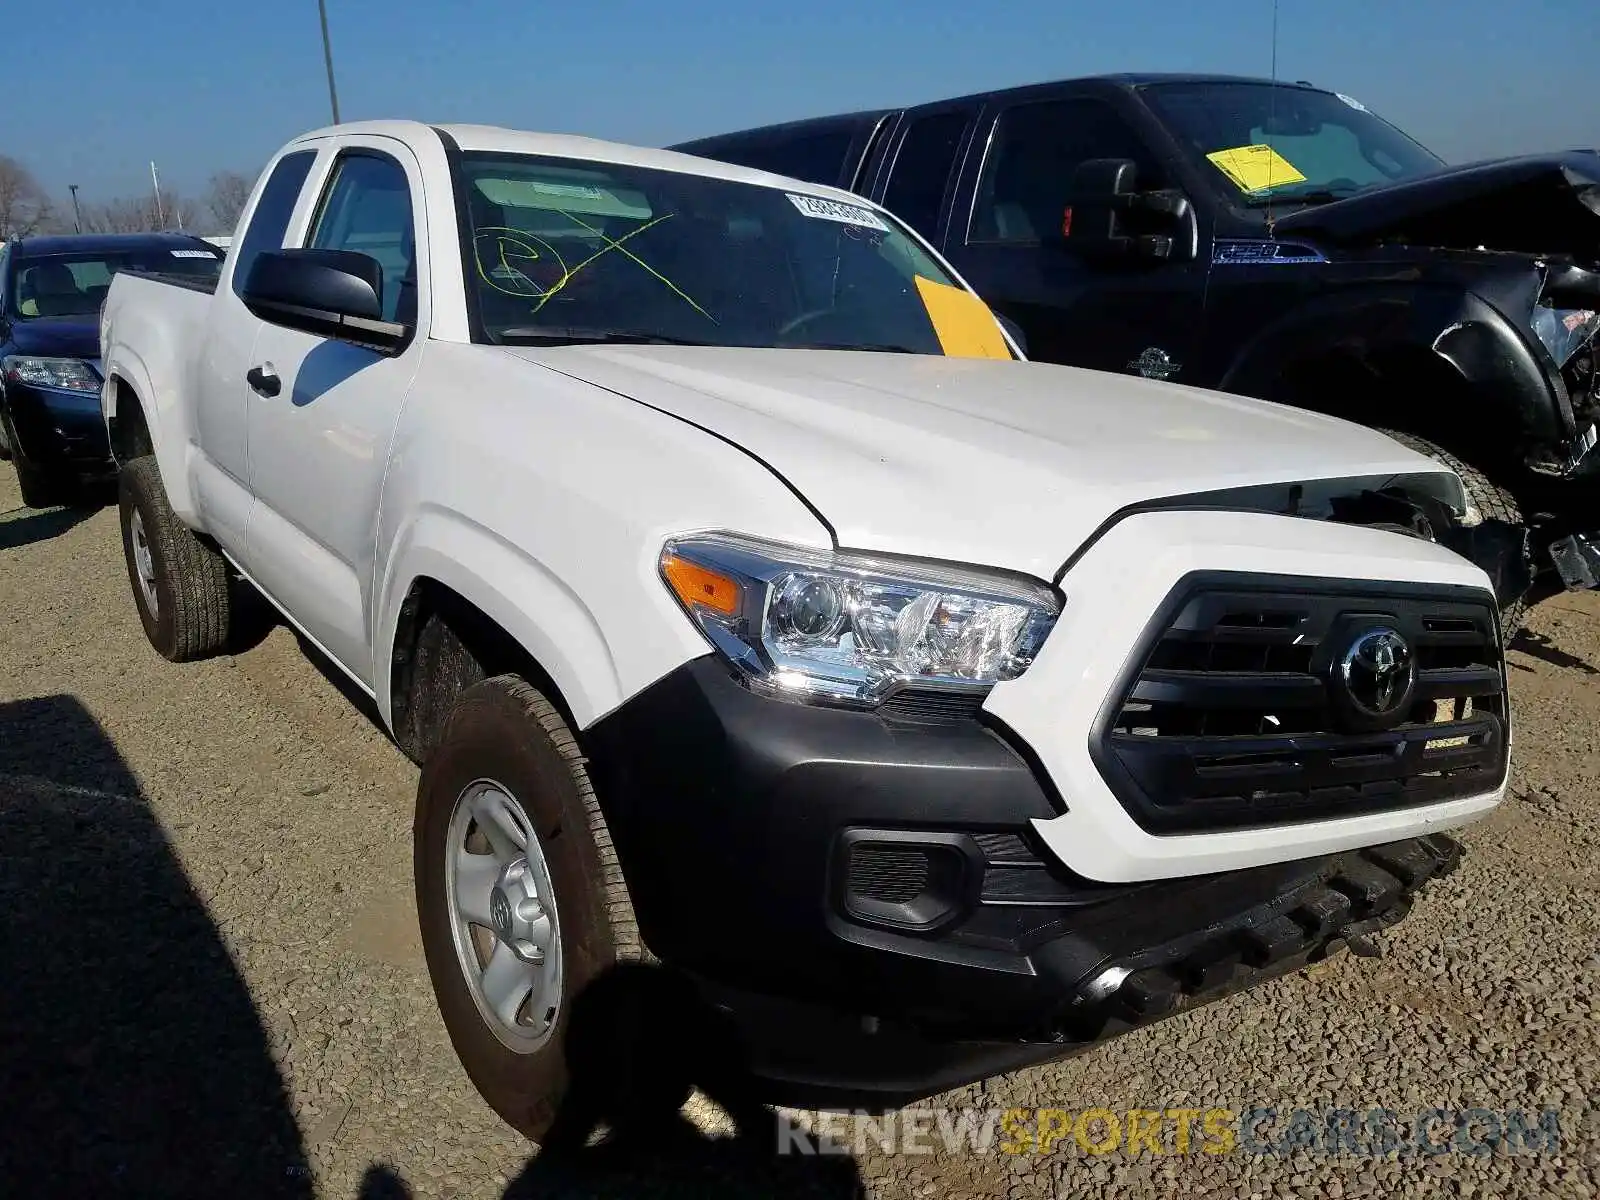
(853, 628)
(68, 374)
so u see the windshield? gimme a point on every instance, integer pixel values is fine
(75, 285)
(567, 251)
(1285, 143)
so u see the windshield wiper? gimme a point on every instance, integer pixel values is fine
(568, 335)
(1312, 198)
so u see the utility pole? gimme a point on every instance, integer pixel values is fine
(77, 217)
(155, 186)
(327, 58)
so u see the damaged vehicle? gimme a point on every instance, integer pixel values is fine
(1279, 241)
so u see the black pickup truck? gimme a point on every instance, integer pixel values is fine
(1278, 241)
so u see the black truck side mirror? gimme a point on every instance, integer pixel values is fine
(1111, 218)
(332, 293)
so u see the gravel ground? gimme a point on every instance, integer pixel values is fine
(212, 982)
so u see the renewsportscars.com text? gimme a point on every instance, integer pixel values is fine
(1341, 1132)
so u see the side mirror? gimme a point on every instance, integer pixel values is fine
(1015, 330)
(1112, 218)
(332, 293)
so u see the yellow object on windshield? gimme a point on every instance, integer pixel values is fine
(964, 325)
(1254, 168)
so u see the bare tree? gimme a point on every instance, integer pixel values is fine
(134, 214)
(24, 208)
(226, 198)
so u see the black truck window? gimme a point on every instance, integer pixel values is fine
(816, 155)
(1022, 195)
(922, 169)
(270, 221)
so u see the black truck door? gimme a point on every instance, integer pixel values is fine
(1009, 234)
(915, 169)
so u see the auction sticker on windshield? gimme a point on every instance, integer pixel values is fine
(1254, 168)
(832, 210)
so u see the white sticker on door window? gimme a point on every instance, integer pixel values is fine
(832, 210)
(193, 254)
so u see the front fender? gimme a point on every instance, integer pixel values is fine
(1457, 329)
(523, 597)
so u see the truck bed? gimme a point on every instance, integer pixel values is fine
(193, 283)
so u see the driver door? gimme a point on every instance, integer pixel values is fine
(1131, 316)
(323, 410)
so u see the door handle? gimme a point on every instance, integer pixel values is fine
(263, 381)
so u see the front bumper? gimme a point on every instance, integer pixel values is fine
(864, 893)
(60, 429)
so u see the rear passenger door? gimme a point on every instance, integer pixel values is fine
(915, 175)
(323, 410)
(1133, 315)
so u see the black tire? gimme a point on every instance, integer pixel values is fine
(1490, 499)
(192, 608)
(504, 730)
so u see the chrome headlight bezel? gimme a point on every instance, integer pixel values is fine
(861, 648)
(55, 372)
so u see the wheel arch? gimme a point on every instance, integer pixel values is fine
(1346, 353)
(487, 593)
(127, 422)
(136, 423)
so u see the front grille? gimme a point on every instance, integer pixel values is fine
(1234, 716)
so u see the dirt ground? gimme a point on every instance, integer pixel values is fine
(213, 986)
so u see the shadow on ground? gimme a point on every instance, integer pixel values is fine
(638, 1042)
(25, 526)
(1537, 645)
(132, 1060)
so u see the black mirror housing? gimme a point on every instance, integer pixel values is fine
(1112, 218)
(334, 293)
(1015, 330)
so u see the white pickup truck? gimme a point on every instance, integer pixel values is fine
(933, 714)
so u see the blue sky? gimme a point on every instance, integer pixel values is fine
(95, 89)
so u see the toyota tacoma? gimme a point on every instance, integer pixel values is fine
(751, 605)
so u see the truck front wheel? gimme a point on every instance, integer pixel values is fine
(519, 894)
(180, 583)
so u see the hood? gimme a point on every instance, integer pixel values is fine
(1007, 464)
(58, 337)
(1543, 204)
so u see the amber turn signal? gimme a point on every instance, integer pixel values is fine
(701, 587)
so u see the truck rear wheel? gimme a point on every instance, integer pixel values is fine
(519, 894)
(1490, 499)
(180, 583)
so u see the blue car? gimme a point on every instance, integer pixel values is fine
(51, 290)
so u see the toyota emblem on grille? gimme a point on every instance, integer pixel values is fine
(1379, 673)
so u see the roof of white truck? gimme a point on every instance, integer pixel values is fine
(565, 145)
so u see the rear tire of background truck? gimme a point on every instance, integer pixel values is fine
(180, 583)
(1490, 499)
(520, 897)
